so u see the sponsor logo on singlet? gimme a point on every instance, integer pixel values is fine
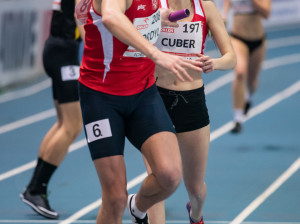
(150, 28)
(141, 7)
(154, 4)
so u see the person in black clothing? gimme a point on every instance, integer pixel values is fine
(60, 59)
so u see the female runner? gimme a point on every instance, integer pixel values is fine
(248, 40)
(185, 101)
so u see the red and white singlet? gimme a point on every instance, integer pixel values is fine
(112, 67)
(188, 39)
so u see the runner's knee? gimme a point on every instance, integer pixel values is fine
(170, 178)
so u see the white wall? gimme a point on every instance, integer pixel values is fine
(24, 26)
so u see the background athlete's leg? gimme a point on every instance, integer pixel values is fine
(254, 68)
(239, 85)
(54, 146)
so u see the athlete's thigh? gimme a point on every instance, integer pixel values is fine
(71, 114)
(103, 124)
(149, 117)
(242, 52)
(162, 152)
(151, 130)
(194, 146)
(60, 59)
(255, 61)
(112, 175)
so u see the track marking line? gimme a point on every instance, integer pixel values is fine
(17, 94)
(28, 120)
(77, 145)
(130, 221)
(270, 190)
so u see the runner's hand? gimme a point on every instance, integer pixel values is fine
(177, 65)
(207, 63)
(164, 15)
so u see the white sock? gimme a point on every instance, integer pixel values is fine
(135, 211)
(238, 115)
(248, 97)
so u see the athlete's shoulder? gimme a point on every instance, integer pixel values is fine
(209, 7)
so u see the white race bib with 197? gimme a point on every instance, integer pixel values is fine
(185, 40)
(149, 27)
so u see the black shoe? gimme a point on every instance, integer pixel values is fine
(136, 220)
(39, 203)
(237, 128)
(247, 107)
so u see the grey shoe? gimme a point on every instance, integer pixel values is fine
(39, 203)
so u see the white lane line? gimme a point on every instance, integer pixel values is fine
(293, 89)
(283, 42)
(77, 145)
(268, 64)
(271, 44)
(97, 203)
(130, 221)
(270, 190)
(25, 92)
(209, 88)
(28, 120)
(288, 173)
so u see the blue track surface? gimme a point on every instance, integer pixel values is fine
(240, 167)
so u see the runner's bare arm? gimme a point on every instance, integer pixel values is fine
(80, 27)
(120, 26)
(216, 25)
(225, 10)
(263, 7)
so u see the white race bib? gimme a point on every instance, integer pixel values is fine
(149, 27)
(98, 130)
(70, 72)
(185, 41)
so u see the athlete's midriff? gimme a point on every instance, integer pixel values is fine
(169, 81)
(248, 26)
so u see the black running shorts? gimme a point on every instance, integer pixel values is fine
(187, 109)
(108, 119)
(60, 59)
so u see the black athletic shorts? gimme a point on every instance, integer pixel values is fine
(251, 44)
(187, 109)
(60, 59)
(108, 119)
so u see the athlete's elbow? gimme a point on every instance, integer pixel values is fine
(267, 15)
(108, 18)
